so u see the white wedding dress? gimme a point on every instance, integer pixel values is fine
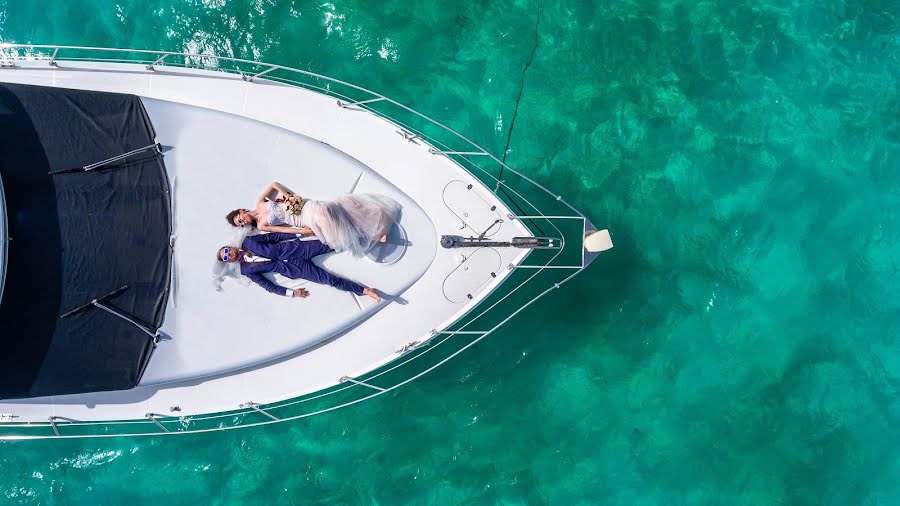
(351, 223)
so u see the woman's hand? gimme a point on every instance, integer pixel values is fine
(284, 229)
(272, 191)
(306, 231)
(281, 189)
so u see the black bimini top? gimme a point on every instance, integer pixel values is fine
(76, 236)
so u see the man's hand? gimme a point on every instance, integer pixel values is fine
(301, 292)
(369, 292)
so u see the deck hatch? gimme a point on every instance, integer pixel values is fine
(479, 215)
(472, 275)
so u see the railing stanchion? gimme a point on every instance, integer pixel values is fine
(255, 407)
(465, 153)
(6, 61)
(53, 425)
(345, 105)
(542, 217)
(409, 136)
(157, 61)
(345, 379)
(250, 79)
(541, 267)
(152, 418)
(53, 57)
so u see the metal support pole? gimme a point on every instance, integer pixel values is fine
(98, 304)
(153, 335)
(158, 61)
(120, 157)
(345, 379)
(152, 418)
(351, 104)
(116, 158)
(465, 153)
(53, 425)
(250, 79)
(255, 407)
(53, 57)
(111, 294)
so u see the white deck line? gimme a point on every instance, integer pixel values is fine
(371, 140)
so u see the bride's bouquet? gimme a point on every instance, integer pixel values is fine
(294, 204)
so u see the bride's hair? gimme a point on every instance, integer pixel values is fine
(233, 214)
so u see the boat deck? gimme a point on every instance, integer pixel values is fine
(212, 332)
(230, 138)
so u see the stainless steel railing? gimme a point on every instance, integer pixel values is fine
(412, 361)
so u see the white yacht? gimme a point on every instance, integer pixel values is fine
(118, 167)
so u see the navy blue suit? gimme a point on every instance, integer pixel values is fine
(291, 258)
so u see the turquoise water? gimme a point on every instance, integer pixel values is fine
(740, 344)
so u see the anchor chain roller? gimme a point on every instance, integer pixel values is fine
(457, 241)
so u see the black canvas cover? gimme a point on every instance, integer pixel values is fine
(77, 236)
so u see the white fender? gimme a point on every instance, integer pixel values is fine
(596, 241)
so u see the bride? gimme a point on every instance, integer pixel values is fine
(352, 223)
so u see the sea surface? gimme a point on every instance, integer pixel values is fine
(740, 345)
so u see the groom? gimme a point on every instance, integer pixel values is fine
(285, 255)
